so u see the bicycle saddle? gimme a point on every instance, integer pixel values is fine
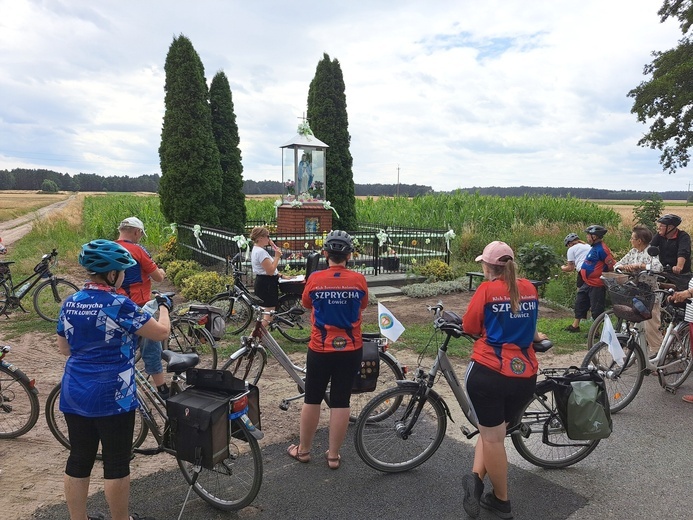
(543, 345)
(179, 363)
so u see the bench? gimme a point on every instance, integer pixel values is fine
(474, 274)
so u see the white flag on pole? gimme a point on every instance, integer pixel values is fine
(609, 337)
(390, 327)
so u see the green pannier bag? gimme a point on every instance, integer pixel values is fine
(582, 404)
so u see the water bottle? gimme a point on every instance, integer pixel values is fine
(642, 309)
(22, 289)
(251, 427)
(151, 307)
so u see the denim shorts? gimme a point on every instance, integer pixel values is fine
(151, 355)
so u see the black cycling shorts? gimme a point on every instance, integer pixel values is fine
(337, 368)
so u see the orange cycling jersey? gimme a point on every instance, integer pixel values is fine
(506, 338)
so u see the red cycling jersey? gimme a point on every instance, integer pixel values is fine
(506, 338)
(337, 297)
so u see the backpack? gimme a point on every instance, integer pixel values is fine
(582, 404)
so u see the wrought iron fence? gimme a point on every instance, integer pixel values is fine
(379, 249)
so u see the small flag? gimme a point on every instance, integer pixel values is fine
(609, 337)
(390, 327)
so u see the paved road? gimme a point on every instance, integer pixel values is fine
(644, 470)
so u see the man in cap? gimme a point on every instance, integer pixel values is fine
(137, 285)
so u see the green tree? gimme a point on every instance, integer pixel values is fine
(48, 186)
(327, 115)
(648, 211)
(232, 212)
(190, 186)
(665, 99)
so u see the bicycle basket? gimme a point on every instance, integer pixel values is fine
(632, 302)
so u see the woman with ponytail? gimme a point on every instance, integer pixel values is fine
(502, 374)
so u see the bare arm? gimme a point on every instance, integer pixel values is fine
(568, 267)
(157, 330)
(158, 275)
(63, 346)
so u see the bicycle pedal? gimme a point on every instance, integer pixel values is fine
(284, 405)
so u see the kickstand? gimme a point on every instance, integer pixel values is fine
(197, 468)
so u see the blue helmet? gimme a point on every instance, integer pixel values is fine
(102, 256)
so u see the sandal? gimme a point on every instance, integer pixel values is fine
(301, 456)
(333, 462)
(688, 398)
(570, 328)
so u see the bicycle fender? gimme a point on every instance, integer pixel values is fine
(432, 394)
(392, 358)
(21, 376)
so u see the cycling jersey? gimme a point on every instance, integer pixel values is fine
(337, 297)
(598, 260)
(99, 377)
(506, 338)
(137, 285)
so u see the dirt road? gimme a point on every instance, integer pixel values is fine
(13, 230)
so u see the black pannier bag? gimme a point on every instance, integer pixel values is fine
(199, 422)
(367, 377)
(582, 404)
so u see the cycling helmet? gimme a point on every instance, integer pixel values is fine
(599, 231)
(102, 256)
(569, 238)
(338, 242)
(669, 220)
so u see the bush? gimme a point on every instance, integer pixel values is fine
(648, 211)
(168, 253)
(435, 271)
(179, 265)
(537, 260)
(204, 286)
(427, 290)
(183, 274)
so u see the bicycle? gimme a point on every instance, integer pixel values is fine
(19, 404)
(249, 361)
(402, 427)
(672, 363)
(233, 483)
(237, 303)
(48, 296)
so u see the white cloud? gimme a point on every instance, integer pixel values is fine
(455, 93)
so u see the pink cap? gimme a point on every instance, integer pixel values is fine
(496, 253)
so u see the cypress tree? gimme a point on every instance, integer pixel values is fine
(232, 213)
(190, 187)
(327, 116)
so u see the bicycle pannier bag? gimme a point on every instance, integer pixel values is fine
(215, 319)
(367, 377)
(214, 380)
(253, 412)
(199, 422)
(583, 405)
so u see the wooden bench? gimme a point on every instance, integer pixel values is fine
(474, 274)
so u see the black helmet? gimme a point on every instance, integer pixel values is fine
(599, 231)
(569, 238)
(338, 242)
(669, 220)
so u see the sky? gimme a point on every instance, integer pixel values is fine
(444, 93)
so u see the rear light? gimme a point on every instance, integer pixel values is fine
(240, 404)
(405, 369)
(203, 320)
(32, 383)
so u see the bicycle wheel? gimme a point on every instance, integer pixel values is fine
(237, 312)
(4, 294)
(249, 366)
(299, 332)
(594, 335)
(235, 481)
(50, 295)
(622, 383)
(58, 426)
(676, 360)
(389, 373)
(378, 440)
(19, 405)
(541, 438)
(187, 336)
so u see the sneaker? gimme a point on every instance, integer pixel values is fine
(98, 515)
(570, 328)
(473, 487)
(500, 508)
(164, 391)
(688, 398)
